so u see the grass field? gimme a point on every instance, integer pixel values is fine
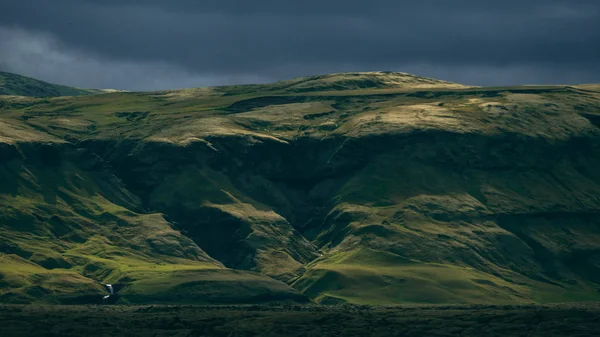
(295, 320)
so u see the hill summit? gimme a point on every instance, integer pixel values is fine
(362, 80)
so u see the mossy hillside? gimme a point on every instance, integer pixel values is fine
(257, 237)
(541, 225)
(66, 230)
(207, 286)
(490, 193)
(366, 276)
(59, 218)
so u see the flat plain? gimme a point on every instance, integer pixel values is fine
(301, 320)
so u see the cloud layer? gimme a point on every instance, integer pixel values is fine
(144, 45)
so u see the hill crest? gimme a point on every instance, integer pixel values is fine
(18, 85)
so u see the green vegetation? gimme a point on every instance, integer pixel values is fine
(365, 188)
(301, 320)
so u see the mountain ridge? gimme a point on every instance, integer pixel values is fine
(19, 85)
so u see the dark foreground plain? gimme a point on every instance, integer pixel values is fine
(301, 320)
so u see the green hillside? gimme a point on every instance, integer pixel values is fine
(13, 84)
(368, 188)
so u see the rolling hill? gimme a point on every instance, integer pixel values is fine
(18, 85)
(366, 188)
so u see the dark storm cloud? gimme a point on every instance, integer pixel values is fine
(188, 42)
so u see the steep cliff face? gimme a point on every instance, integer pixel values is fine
(362, 190)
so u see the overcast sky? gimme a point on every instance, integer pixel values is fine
(157, 44)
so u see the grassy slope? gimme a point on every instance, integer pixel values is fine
(410, 195)
(66, 230)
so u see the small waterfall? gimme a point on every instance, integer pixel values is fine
(111, 291)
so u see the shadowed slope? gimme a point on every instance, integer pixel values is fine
(67, 225)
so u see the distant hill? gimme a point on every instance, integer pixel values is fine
(367, 188)
(18, 85)
(351, 82)
(364, 80)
